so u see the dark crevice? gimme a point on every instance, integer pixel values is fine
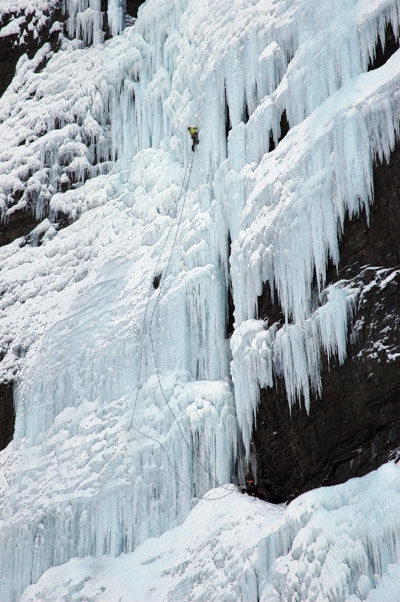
(105, 27)
(63, 220)
(231, 306)
(42, 64)
(228, 125)
(7, 414)
(156, 281)
(246, 114)
(284, 128)
(132, 7)
(268, 307)
(289, 56)
(284, 125)
(384, 49)
(231, 318)
(271, 142)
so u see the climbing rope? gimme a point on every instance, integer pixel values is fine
(188, 487)
(185, 183)
(182, 200)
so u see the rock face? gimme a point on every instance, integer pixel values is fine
(17, 225)
(355, 426)
(132, 7)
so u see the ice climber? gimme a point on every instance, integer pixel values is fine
(250, 489)
(194, 133)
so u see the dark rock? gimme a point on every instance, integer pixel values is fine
(7, 415)
(18, 224)
(132, 7)
(384, 48)
(230, 318)
(284, 129)
(355, 426)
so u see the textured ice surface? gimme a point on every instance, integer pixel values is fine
(125, 408)
(333, 544)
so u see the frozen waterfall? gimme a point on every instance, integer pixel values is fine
(131, 400)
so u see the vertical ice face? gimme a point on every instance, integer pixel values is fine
(116, 326)
(116, 11)
(85, 20)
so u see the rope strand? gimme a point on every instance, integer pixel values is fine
(155, 270)
(182, 196)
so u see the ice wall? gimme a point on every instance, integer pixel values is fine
(125, 409)
(97, 461)
(124, 412)
(86, 19)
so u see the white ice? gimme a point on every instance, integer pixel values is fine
(334, 544)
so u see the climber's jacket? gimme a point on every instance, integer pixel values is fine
(194, 133)
(250, 489)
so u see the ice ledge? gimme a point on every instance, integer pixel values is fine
(335, 543)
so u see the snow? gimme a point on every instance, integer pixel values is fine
(331, 544)
(18, 17)
(374, 280)
(13, 28)
(131, 402)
